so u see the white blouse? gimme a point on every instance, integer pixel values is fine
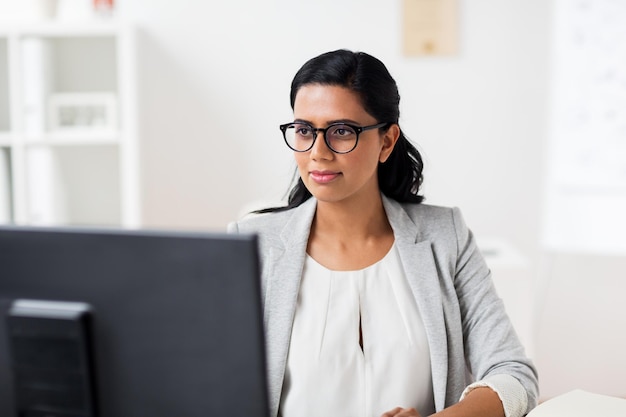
(328, 372)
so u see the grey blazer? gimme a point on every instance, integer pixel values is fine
(469, 333)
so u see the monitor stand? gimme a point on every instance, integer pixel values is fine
(51, 358)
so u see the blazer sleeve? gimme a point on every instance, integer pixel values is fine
(493, 353)
(232, 227)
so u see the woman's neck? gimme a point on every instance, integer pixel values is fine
(348, 237)
(351, 220)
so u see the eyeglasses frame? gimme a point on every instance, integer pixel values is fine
(357, 129)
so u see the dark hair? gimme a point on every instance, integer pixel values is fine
(400, 177)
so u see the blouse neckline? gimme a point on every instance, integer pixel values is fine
(352, 271)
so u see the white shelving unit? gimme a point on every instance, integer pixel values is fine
(72, 165)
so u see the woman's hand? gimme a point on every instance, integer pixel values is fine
(402, 412)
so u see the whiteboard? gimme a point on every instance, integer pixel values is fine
(585, 199)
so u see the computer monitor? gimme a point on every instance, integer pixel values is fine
(157, 324)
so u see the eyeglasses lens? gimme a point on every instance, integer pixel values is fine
(340, 138)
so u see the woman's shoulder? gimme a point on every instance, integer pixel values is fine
(429, 210)
(430, 214)
(256, 222)
(272, 222)
(433, 222)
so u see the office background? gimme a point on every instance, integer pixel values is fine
(212, 87)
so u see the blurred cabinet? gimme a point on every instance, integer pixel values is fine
(68, 138)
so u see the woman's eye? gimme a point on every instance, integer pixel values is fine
(342, 131)
(303, 131)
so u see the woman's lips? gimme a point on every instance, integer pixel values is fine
(323, 177)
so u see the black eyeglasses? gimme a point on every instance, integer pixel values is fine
(339, 137)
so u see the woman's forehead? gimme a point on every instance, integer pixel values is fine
(328, 101)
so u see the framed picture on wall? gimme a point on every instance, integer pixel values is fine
(92, 112)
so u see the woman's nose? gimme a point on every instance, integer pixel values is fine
(320, 149)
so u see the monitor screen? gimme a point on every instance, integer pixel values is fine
(167, 323)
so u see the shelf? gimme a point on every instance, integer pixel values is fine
(4, 86)
(87, 28)
(6, 215)
(5, 139)
(68, 64)
(57, 175)
(73, 139)
(67, 133)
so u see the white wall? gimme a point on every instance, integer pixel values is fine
(214, 85)
(214, 80)
(580, 337)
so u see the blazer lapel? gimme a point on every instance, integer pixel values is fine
(421, 272)
(286, 263)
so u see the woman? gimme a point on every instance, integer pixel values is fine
(375, 304)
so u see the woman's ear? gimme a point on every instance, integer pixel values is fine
(390, 138)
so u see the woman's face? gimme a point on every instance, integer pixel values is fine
(333, 177)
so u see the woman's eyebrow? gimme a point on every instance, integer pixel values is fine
(347, 121)
(330, 122)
